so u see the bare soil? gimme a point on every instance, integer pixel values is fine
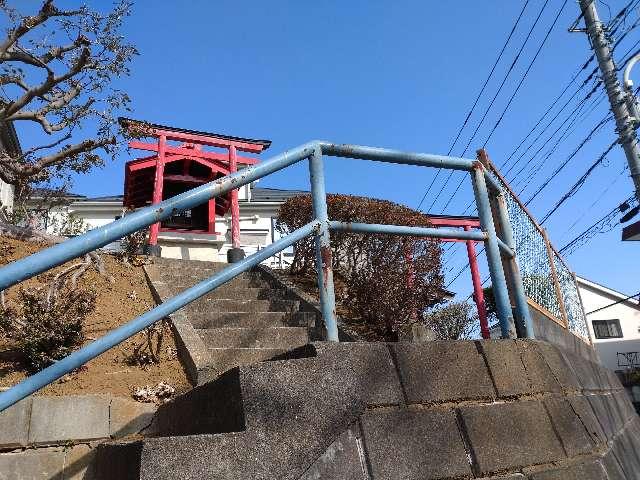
(117, 302)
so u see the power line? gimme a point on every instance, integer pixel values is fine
(488, 109)
(524, 76)
(576, 186)
(561, 167)
(596, 201)
(475, 103)
(614, 303)
(604, 224)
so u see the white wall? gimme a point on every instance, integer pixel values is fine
(6, 195)
(627, 312)
(255, 230)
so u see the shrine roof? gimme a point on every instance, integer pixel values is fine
(126, 122)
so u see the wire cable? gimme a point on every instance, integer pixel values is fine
(475, 103)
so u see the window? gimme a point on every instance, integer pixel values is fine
(607, 328)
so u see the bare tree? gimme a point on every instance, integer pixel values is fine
(57, 72)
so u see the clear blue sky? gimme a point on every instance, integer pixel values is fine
(393, 74)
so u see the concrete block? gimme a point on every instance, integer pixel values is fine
(14, 424)
(605, 410)
(425, 371)
(590, 470)
(517, 368)
(128, 417)
(72, 417)
(511, 435)
(343, 460)
(561, 370)
(625, 407)
(628, 457)
(584, 411)
(570, 429)
(79, 463)
(586, 372)
(612, 466)
(414, 445)
(44, 464)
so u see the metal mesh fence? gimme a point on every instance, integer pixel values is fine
(535, 268)
(572, 304)
(533, 260)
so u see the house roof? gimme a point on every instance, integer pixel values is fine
(39, 193)
(259, 194)
(125, 122)
(613, 293)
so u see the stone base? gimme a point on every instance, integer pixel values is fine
(234, 255)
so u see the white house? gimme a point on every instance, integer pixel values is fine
(8, 143)
(613, 319)
(258, 211)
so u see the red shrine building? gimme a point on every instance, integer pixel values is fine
(175, 160)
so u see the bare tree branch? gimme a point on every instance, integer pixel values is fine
(47, 11)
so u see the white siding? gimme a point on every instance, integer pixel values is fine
(628, 313)
(255, 230)
(6, 195)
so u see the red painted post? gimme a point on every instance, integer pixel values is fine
(235, 208)
(212, 216)
(478, 294)
(157, 187)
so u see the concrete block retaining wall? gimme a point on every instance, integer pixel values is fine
(425, 411)
(53, 437)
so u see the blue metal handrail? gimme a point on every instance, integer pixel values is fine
(497, 249)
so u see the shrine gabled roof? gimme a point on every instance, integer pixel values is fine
(130, 121)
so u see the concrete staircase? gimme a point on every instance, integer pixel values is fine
(429, 411)
(242, 322)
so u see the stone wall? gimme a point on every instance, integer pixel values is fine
(438, 410)
(54, 437)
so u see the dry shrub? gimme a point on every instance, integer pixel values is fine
(44, 328)
(381, 285)
(131, 247)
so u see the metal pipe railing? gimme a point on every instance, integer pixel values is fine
(120, 334)
(320, 227)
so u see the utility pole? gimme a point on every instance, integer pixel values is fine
(625, 123)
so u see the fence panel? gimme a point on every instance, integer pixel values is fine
(535, 266)
(571, 298)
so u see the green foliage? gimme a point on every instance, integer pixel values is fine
(453, 321)
(45, 330)
(380, 285)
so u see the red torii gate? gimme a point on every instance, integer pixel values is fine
(154, 169)
(467, 223)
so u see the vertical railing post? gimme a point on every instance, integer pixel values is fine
(478, 293)
(554, 279)
(524, 324)
(584, 313)
(492, 249)
(235, 253)
(324, 264)
(158, 184)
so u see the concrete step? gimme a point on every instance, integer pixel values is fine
(273, 337)
(223, 359)
(203, 319)
(233, 292)
(212, 304)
